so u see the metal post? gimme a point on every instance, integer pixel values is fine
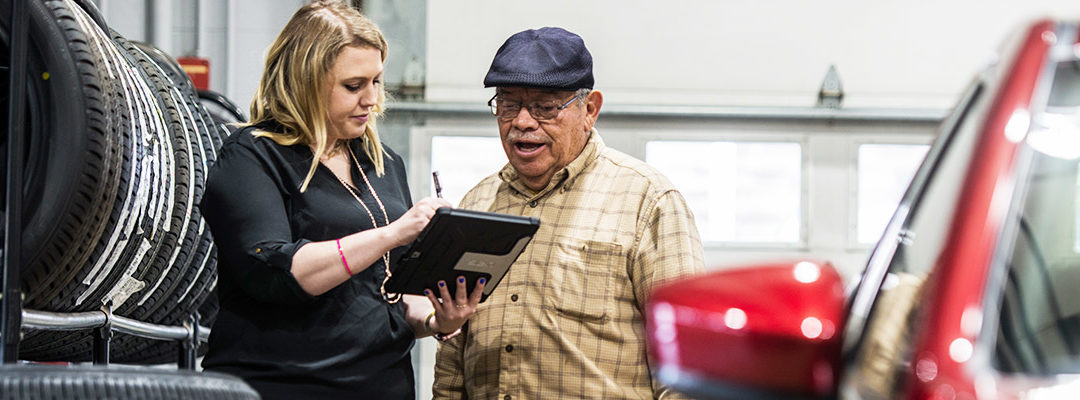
(189, 346)
(102, 345)
(11, 300)
(103, 338)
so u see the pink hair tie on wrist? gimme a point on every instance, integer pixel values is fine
(342, 253)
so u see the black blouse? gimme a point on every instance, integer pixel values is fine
(345, 343)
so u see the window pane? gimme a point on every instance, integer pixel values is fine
(739, 191)
(884, 172)
(462, 161)
(1076, 214)
(1039, 322)
(1039, 325)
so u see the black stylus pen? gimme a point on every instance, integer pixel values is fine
(438, 188)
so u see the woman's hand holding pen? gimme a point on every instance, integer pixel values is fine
(405, 229)
(450, 312)
(451, 315)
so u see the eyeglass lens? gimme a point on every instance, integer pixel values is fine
(538, 110)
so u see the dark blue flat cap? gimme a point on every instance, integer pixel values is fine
(547, 58)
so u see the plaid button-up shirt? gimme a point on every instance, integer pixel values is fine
(566, 320)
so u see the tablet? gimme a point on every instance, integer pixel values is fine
(458, 242)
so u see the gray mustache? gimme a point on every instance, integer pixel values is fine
(515, 136)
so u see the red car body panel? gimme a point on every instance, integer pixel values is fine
(713, 312)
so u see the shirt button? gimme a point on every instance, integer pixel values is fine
(509, 348)
(513, 297)
(533, 204)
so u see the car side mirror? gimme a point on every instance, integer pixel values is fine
(766, 331)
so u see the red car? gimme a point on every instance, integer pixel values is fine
(973, 291)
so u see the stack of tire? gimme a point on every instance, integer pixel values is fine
(118, 145)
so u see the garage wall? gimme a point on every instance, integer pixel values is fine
(233, 34)
(888, 53)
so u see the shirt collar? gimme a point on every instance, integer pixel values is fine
(563, 177)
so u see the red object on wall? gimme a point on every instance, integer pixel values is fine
(198, 69)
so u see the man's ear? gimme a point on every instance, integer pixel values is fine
(592, 108)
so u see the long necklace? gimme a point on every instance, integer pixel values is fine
(389, 297)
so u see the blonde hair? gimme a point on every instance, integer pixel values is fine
(292, 91)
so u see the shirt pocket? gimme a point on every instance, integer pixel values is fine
(579, 278)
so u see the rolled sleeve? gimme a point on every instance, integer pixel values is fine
(265, 274)
(244, 205)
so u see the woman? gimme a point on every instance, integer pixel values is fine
(309, 211)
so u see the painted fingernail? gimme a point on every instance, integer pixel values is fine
(461, 279)
(481, 281)
(442, 284)
(427, 291)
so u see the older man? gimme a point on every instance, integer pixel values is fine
(566, 321)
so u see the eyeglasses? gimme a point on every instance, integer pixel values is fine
(540, 111)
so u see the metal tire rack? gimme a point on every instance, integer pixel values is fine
(12, 315)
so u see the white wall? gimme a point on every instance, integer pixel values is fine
(255, 24)
(889, 53)
(916, 54)
(233, 34)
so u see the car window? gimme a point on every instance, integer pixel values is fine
(882, 350)
(1038, 329)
